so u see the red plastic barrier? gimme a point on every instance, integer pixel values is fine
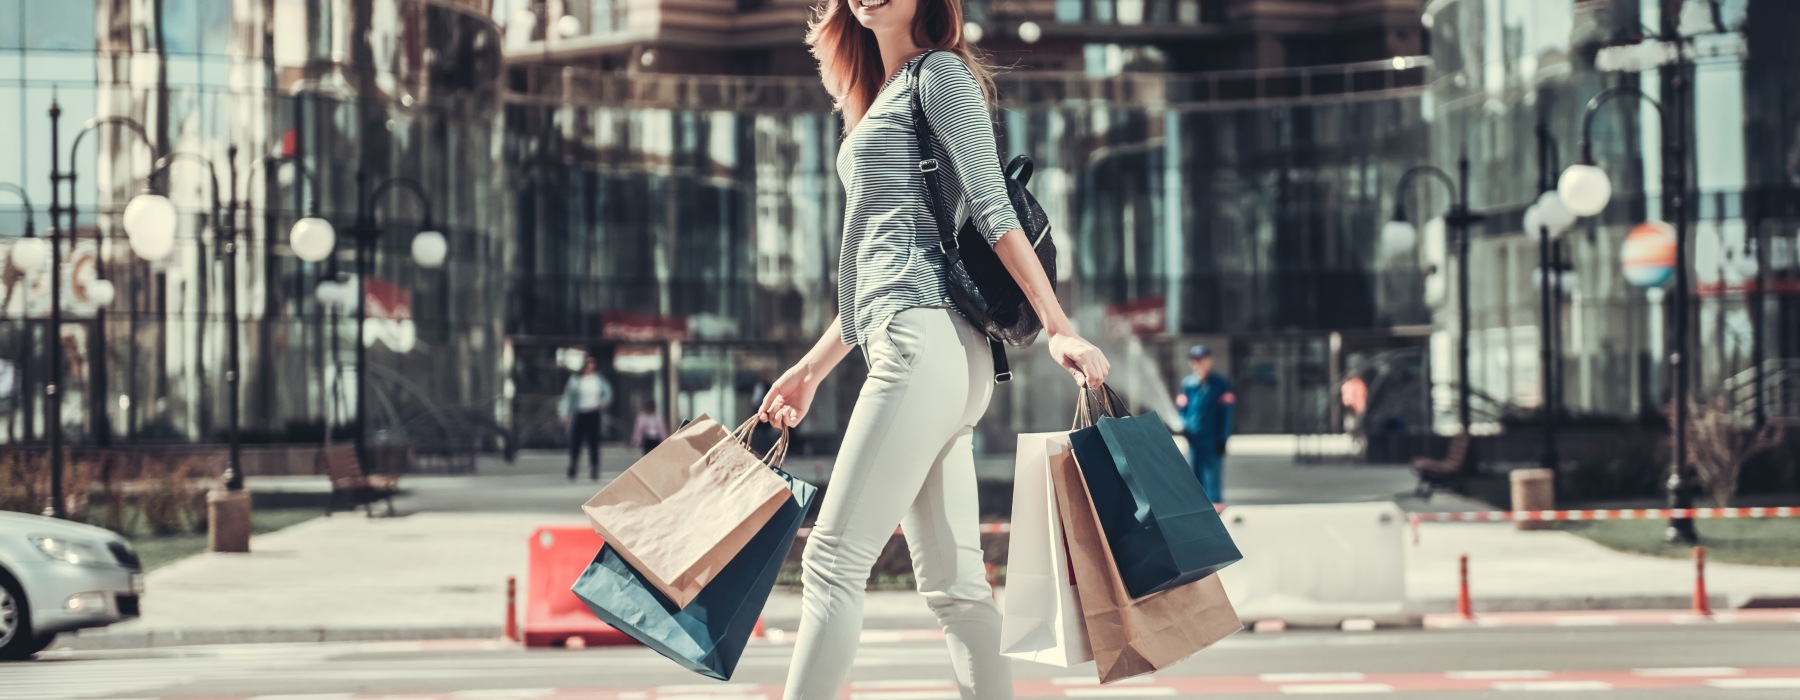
(553, 614)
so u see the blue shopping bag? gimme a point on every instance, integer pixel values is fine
(708, 636)
(1161, 526)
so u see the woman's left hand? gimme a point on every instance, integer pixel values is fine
(1083, 361)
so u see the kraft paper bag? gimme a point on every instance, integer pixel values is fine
(1132, 637)
(1163, 530)
(683, 511)
(708, 635)
(1042, 621)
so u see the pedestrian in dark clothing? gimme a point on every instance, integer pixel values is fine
(1207, 405)
(584, 398)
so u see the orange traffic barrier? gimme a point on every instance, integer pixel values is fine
(553, 614)
(1702, 606)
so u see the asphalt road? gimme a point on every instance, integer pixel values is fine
(1742, 662)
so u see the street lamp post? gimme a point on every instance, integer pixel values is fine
(1547, 219)
(1586, 189)
(53, 401)
(315, 243)
(1458, 221)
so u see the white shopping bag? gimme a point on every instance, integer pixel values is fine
(1042, 620)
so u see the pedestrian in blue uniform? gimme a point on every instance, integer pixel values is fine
(1207, 404)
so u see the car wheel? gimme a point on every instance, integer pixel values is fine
(16, 639)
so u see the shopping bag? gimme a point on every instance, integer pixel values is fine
(708, 635)
(1042, 620)
(1161, 527)
(648, 514)
(1132, 637)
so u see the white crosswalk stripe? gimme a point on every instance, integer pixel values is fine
(53, 677)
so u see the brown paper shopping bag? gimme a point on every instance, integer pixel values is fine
(681, 513)
(1132, 637)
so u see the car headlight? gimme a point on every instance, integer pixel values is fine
(72, 551)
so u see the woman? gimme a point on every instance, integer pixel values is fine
(906, 456)
(649, 430)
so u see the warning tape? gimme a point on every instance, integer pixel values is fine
(1607, 514)
(1497, 516)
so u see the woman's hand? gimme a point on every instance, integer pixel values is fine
(1084, 361)
(790, 397)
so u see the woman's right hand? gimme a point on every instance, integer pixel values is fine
(1083, 361)
(790, 397)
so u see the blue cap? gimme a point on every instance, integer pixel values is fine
(1199, 352)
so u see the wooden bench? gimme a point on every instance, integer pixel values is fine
(350, 487)
(1441, 472)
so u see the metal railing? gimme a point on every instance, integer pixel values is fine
(1780, 392)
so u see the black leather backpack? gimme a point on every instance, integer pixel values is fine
(983, 290)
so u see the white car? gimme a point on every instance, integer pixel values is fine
(57, 576)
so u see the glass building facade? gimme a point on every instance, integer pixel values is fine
(1241, 209)
(344, 90)
(683, 227)
(1502, 68)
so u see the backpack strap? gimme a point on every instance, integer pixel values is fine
(928, 162)
(929, 166)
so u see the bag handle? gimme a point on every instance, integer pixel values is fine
(777, 453)
(1094, 404)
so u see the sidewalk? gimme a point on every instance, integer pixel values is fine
(440, 569)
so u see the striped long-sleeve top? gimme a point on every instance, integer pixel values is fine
(889, 260)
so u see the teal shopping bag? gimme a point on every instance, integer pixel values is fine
(707, 636)
(1162, 528)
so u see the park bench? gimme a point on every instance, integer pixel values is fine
(350, 487)
(1441, 472)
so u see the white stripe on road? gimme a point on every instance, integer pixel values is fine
(903, 684)
(1090, 680)
(314, 696)
(503, 694)
(1553, 686)
(1337, 689)
(1754, 683)
(712, 688)
(1149, 692)
(907, 695)
(1308, 677)
(1495, 675)
(1697, 672)
(1597, 621)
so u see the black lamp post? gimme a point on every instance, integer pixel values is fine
(1458, 221)
(427, 251)
(1547, 219)
(53, 402)
(152, 236)
(1586, 189)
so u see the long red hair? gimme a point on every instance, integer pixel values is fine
(850, 59)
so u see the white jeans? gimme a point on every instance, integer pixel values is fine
(907, 459)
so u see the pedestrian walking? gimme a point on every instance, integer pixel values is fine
(907, 454)
(649, 429)
(584, 399)
(1207, 406)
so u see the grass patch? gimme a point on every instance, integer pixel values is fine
(157, 551)
(161, 551)
(1763, 542)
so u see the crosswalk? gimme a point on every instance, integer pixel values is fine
(59, 676)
